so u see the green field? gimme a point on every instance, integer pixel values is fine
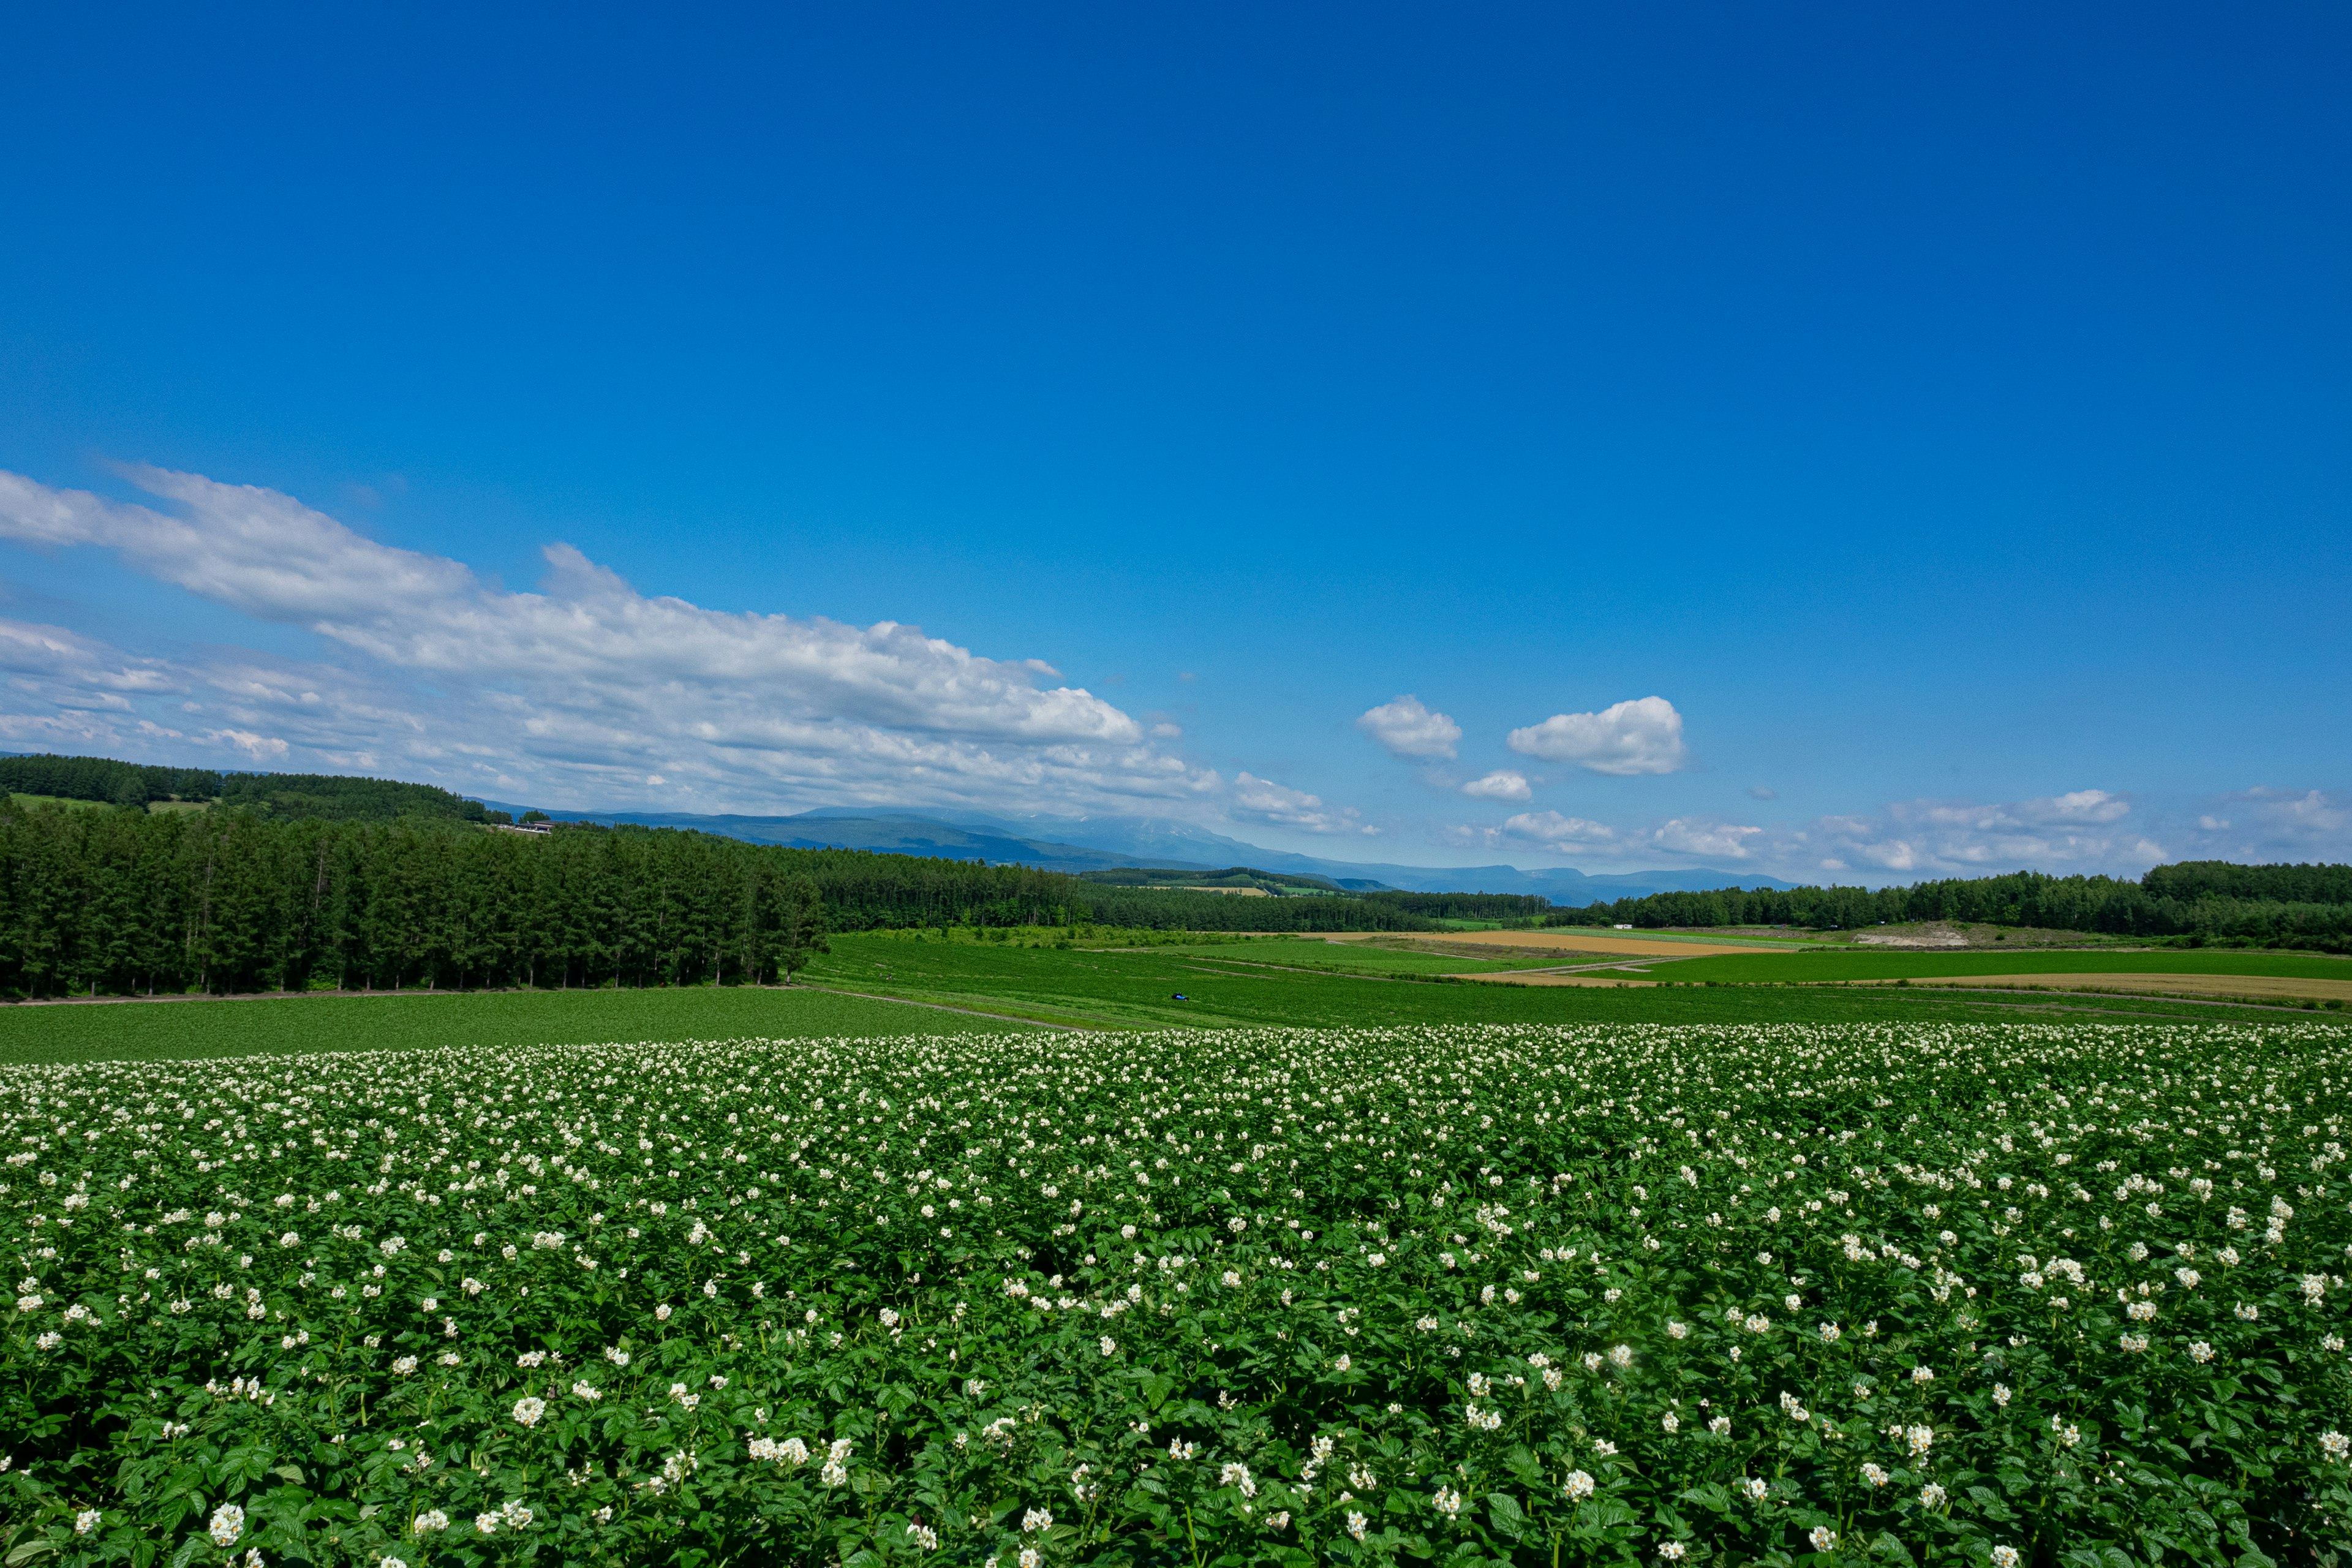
(1849, 965)
(154, 1031)
(865, 985)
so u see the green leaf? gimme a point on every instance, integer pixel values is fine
(1509, 1519)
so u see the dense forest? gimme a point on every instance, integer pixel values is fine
(2204, 901)
(1465, 906)
(115, 901)
(335, 797)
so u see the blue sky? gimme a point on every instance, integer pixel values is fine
(1942, 413)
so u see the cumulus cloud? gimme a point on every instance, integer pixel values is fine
(1643, 736)
(1410, 730)
(1712, 840)
(587, 683)
(1554, 831)
(1500, 784)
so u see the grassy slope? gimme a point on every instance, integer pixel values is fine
(1853, 965)
(153, 1030)
(1101, 990)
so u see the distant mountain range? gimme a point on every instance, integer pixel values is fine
(1095, 843)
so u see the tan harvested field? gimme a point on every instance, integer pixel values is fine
(2276, 986)
(1608, 944)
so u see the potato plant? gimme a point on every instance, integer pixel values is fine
(1992, 1295)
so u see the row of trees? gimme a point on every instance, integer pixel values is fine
(336, 797)
(2204, 901)
(1465, 906)
(100, 901)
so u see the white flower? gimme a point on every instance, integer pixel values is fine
(1036, 1519)
(431, 1520)
(2201, 1353)
(1875, 1475)
(1342, 1364)
(528, 1410)
(1672, 1551)
(1923, 1375)
(1931, 1496)
(1919, 1439)
(229, 1523)
(404, 1365)
(1755, 1488)
(1110, 1345)
(1823, 1538)
(2335, 1443)
(1578, 1486)
(487, 1523)
(1448, 1501)
(2004, 1557)
(1358, 1524)
(86, 1520)
(2000, 1393)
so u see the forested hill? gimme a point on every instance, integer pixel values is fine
(128, 902)
(2213, 900)
(334, 797)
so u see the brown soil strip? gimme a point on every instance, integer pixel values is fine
(2266, 986)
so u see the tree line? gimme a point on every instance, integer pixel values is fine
(2204, 901)
(123, 902)
(1465, 906)
(336, 797)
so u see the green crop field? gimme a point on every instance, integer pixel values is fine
(1997, 1294)
(864, 988)
(163, 1031)
(1847, 963)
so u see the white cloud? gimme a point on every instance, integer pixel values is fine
(1554, 831)
(1263, 800)
(1714, 840)
(2276, 825)
(1643, 736)
(1410, 730)
(2077, 831)
(1762, 792)
(579, 691)
(1500, 784)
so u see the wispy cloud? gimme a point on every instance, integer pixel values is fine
(587, 687)
(2085, 829)
(1410, 730)
(1643, 736)
(1263, 800)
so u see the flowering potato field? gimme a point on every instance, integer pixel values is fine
(1990, 1294)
